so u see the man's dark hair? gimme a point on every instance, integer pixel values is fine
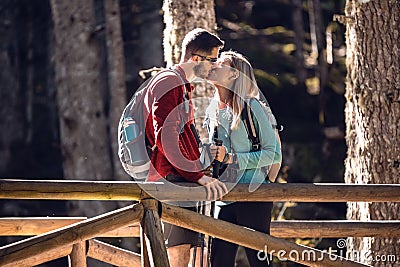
(199, 40)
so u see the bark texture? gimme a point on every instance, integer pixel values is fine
(297, 15)
(373, 115)
(180, 17)
(80, 97)
(116, 79)
(12, 106)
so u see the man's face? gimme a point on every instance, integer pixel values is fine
(202, 69)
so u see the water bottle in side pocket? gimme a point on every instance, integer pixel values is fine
(131, 129)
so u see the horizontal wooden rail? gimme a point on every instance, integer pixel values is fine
(282, 229)
(16, 252)
(107, 190)
(334, 229)
(39, 225)
(17, 226)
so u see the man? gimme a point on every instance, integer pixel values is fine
(175, 155)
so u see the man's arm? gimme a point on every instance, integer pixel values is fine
(215, 188)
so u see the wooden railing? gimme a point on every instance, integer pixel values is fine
(107, 190)
(283, 229)
(75, 239)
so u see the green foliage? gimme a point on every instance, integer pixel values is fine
(264, 32)
(265, 78)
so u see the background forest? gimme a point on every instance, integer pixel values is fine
(304, 86)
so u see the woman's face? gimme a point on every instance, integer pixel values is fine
(222, 73)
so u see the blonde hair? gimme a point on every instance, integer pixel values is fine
(244, 87)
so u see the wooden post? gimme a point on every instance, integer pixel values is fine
(252, 239)
(113, 255)
(153, 233)
(143, 249)
(69, 235)
(77, 258)
(102, 190)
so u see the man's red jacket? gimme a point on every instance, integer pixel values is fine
(176, 151)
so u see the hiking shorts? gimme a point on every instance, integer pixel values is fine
(175, 235)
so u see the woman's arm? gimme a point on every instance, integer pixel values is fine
(269, 152)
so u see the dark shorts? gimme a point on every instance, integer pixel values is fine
(175, 235)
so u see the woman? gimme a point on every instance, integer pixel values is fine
(236, 86)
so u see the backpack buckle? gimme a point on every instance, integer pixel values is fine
(255, 147)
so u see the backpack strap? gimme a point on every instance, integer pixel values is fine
(271, 117)
(196, 134)
(186, 106)
(185, 90)
(247, 118)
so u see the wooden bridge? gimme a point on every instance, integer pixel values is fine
(58, 237)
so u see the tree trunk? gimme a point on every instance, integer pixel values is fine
(116, 79)
(299, 39)
(12, 108)
(318, 54)
(373, 114)
(151, 31)
(80, 97)
(12, 136)
(142, 24)
(180, 17)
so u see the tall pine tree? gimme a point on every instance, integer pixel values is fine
(373, 114)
